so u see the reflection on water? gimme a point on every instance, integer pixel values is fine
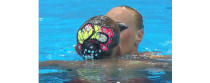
(126, 72)
(98, 76)
(95, 75)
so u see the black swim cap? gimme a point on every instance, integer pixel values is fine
(97, 37)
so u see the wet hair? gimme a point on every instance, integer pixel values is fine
(139, 18)
(97, 37)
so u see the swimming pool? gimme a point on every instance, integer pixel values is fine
(59, 21)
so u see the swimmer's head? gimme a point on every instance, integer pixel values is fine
(97, 37)
(131, 21)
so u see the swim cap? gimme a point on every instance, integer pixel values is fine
(97, 37)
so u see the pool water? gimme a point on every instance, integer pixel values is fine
(104, 71)
(59, 21)
(97, 76)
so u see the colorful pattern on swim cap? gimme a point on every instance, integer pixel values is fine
(84, 33)
(110, 35)
(97, 33)
(94, 38)
(97, 29)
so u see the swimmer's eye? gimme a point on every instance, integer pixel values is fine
(122, 26)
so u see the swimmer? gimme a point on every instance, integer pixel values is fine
(98, 38)
(131, 21)
(93, 35)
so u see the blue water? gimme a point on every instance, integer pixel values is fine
(59, 21)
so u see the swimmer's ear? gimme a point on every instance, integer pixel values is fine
(139, 36)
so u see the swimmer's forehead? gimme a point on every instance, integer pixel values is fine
(122, 15)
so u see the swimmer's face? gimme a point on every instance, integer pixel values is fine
(94, 40)
(128, 36)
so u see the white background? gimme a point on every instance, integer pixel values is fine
(19, 41)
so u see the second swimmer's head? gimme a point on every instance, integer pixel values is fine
(97, 38)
